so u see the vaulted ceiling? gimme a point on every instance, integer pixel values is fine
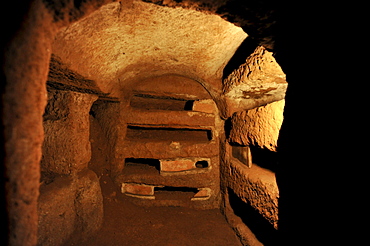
(120, 44)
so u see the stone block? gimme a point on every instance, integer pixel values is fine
(257, 187)
(66, 147)
(177, 165)
(56, 220)
(137, 189)
(206, 106)
(88, 203)
(258, 127)
(69, 206)
(202, 194)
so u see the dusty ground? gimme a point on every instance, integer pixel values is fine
(128, 224)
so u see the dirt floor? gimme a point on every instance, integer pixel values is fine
(131, 225)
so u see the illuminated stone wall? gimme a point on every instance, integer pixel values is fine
(91, 51)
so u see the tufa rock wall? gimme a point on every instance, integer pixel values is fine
(254, 187)
(70, 196)
(256, 82)
(259, 126)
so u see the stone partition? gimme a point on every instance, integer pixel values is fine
(259, 126)
(66, 148)
(106, 114)
(70, 196)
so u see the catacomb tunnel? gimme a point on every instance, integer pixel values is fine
(142, 105)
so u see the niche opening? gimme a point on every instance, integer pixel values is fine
(168, 134)
(265, 158)
(201, 164)
(141, 166)
(152, 102)
(174, 193)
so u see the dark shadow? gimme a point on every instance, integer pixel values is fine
(245, 49)
(150, 102)
(264, 158)
(189, 105)
(261, 228)
(4, 224)
(176, 189)
(201, 164)
(143, 162)
(166, 134)
(227, 127)
(174, 193)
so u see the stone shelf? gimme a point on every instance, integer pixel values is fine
(168, 149)
(150, 195)
(189, 119)
(173, 102)
(154, 134)
(153, 177)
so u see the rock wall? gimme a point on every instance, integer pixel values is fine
(106, 115)
(23, 98)
(258, 127)
(70, 196)
(248, 186)
(256, 82)
(69, 205)
(66, 148)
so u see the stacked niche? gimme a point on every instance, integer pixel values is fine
(170, 147)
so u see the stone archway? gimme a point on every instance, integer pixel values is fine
(173, 120)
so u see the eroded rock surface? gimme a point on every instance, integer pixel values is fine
(259, 126)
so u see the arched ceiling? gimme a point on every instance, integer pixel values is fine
(110, 50)
(117, 44)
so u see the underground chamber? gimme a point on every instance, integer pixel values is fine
(151, 122)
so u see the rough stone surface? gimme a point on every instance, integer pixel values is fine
(100, 148)
(259, 126)
(25, 57)
(66, 147)
(177, 165)
(137, 189)
(258, 81)
(56, 211)
(88, 204)
(259, 68)
(256, 186)
(67, 205)
(62, 78)
(141, 39)
(174, 118)
(67, 152)
(106, 115)
(171, 85)
(206, 106)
